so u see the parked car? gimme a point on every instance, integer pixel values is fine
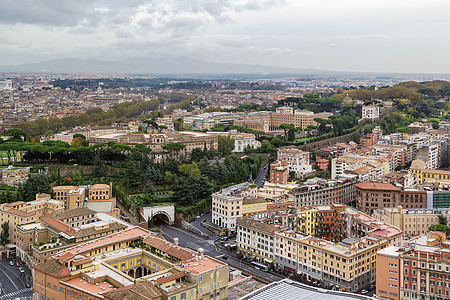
(11, 263)
(364, 292)
(371, 287)
(21, 270)
(17, 264)
(28, 285)
(225, 257)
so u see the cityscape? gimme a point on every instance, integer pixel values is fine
(172, 151)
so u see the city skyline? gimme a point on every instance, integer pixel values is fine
(382, 36)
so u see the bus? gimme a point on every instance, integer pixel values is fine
(260, 266)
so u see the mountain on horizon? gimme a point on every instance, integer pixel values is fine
(144, 65)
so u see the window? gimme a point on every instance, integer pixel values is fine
(173, 298)
(69, 292)
(61, 289)
(55, 287)
(183, 296)
(80, 297)
(200, 290)
(201, 279)
(48, 284)
(123, 265)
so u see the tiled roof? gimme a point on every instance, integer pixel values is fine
(370, 185)
(143, 290)
(92, 230)
(169, 248)
(20, 213)
(53, 267)
(58, 225)
(175, 276)
(72, 213)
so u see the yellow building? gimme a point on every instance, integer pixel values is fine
(13, 175)
(19, 213)
(120, 262)
(419, 169)
(252, 206)
(349, 264)
(72, 196)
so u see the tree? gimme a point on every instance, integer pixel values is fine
(442, 220)
(174, 148)
(4, 236)
(291, 135)
(16, 133)
(225, 145)
(355, 136)
(36, 184)
(191, 169)
(286, 127)
(440, 227)
(77, 142)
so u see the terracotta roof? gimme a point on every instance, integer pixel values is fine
(115, 226)
(20, 213)
(75, 212)
(169, 248)
(174, 276)
(370, 185)
(58, 225)
(143, 290)
(82, 261)
(66, 257)
(54, 268)
(361, 170)
(17, 203)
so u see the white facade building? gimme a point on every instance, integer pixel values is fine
(6, 85)
(370, 112)
(244, 140)
(227, 204)
(297, 159)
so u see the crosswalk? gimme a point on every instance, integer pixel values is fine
(19, 292)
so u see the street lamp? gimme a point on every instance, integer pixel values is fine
(240, 262)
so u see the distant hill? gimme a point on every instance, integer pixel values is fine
(142, 65)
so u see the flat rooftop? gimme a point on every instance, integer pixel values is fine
(94, 288)
(197, 266)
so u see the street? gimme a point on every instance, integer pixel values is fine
(12, 285)
(261, 177)
(190, 240)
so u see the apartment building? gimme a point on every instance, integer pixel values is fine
(255, 240)
(279, 172)
(336, 222)
(418, 270)
(298, 160)
(371, 166)
(348, 265)
(299, 118)
(370, 112)
(412, 222)
(323, 192)
(227, 204)
(421, 171)
(372, 195)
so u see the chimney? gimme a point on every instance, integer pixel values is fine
(175, 241)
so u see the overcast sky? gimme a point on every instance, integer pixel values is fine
(348, 35)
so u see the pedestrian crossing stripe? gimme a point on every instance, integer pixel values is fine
(12, 294)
